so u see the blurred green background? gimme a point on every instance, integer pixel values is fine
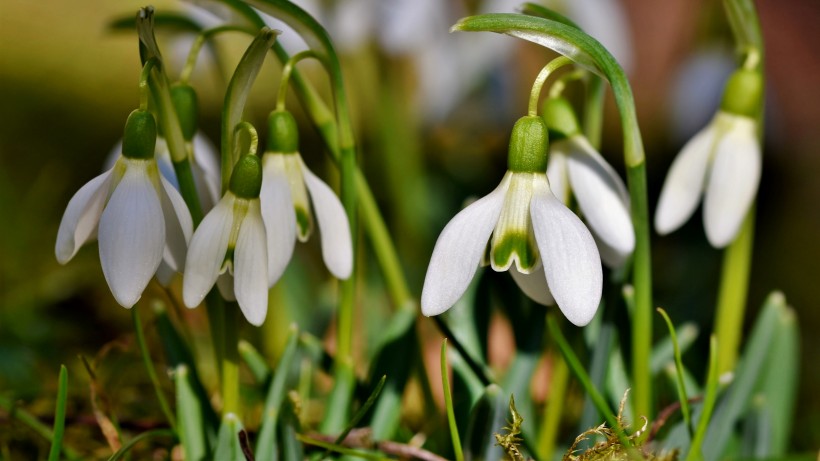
(67, 83)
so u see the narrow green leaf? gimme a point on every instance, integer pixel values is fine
(394, 359)
(709, 398)
(448, 402)
(228, 447)
(165, 20)
(145, 435)
(535, 9)
(149, 367)
(59, 416)
(340, 449)
(360, 413)
(178, 353)
(663, 353)
(266, 443)
(256, 363)
(683, 398)
(747, 374)
(778, 388)
(487, 418)
(192, 428)
(289, 429)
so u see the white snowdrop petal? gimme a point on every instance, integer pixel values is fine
(334, 228)
(733, 182)
(165, 275)
(250, 263)
(278, 216)
(571, 261)
(557, 171)
(602, 197)
(458, 251)
(207, 250)
(81, 217)
(131, 234)
(684, 183)
(178, 226)
(533, 285)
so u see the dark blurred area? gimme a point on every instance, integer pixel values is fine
(68, 82)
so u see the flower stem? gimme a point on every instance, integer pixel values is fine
(734, 284)
(144, 93)
(535, 93)
(203, 36)
(230, 360)
(286, 72)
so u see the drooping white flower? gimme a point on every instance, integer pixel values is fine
(576, 168)
(547, 249)
(291, 194)
(136, 214)
(722, 162)
(231, 242)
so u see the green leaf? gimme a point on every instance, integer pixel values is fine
(177, 353)
(228, 447)
(663, 353)
(191, 425)
(535, 9)
(778, 389)
(145, 435)
(709, 398)
(256, 363)
(59, 415)
(487, 418)
(683, 398)
(448, 403)
(266, 444)
(169, 21)
(749, 370)
(394, 359)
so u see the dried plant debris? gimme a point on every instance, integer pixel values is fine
(511, 440)
(610, 448)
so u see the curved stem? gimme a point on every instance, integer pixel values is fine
(252, 140)
(542, 77)
(205, 35)
(286, 71)
(145, 94)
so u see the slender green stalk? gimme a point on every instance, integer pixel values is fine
(548, 433)
(230, 361)
(286, 73)
(152, 374)
(144, 93)
(448, 402)
(708, 402)
(581, 374)
(356, 454)
(59, 416)
(732, 295)
(587, 52)
(535, 92)
(200, 40)
(22, 415)
(682, 395)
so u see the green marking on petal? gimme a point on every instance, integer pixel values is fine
(516, 247)
(304, 223)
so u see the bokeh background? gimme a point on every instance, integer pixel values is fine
(433, 113)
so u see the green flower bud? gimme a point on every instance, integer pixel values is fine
(283, 136)
(140, 136)
(246, 179)
(560, 118)
(743, 93)
(185, 102)
(528, 146)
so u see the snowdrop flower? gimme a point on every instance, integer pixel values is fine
(576, 167)
(549, 252)
(286, 209)
(138, 217)
(232, 238)
(723, 161)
